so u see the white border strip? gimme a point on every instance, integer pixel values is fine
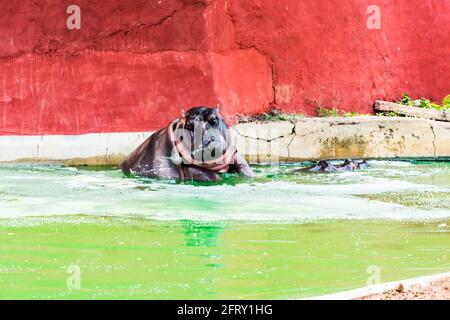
(65, 147)
(381, 288)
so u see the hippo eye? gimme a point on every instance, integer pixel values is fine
(189, 126)
(213, 120)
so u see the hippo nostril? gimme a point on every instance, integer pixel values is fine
(209, 142)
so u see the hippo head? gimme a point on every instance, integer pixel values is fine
(205, 137)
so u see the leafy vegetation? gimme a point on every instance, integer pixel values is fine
(426, 103)
(273, 114)
(335, 112)
(280, 117)
(446, 101)
(387, 114)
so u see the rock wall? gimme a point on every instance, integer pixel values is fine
(306, 139)
(342, 138)
(134, 65)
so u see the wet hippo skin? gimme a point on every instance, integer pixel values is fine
(325, 166)
(197, 146)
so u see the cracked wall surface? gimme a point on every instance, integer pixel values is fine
(259, 142)
(341, 138)
(135, 65)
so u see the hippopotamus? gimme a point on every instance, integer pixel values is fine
(197, 146)
(347, 166)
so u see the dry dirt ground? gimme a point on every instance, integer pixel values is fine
(436, 290)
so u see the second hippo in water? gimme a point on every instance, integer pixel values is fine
(325, 166)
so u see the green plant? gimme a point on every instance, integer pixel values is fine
(280, 117)
(446, 101)
(324, 112)
(353, 114)
(426, 103)
(406, 100)
(273, 114)
(335, 112)
(387, 114)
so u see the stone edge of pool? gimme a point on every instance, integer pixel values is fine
(367, 292)
(307, 139)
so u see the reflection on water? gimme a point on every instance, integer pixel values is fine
(198, 234)
(276, 194)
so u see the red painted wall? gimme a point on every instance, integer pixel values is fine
(135, 64)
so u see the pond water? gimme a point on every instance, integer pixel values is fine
(280, 235)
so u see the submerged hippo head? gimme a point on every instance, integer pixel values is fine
(349, 165)
(202, 136)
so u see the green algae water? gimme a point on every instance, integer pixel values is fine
(280, 235)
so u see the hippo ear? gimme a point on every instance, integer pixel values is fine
(217, 108)
(183, 114)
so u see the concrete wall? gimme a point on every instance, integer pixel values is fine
(135, 64)
(341, 138)
(304, 140)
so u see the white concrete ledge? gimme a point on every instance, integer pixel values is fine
(98, 148)
(280, 141)
(381, 288)
(340, 138)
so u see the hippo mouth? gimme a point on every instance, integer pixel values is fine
(216, 153)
